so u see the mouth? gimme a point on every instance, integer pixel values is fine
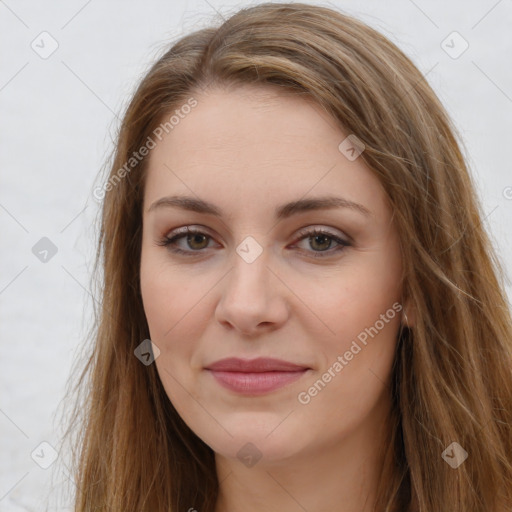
(256, 376)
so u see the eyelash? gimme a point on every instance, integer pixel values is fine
(168, 241)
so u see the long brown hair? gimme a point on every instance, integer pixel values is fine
(452, 377)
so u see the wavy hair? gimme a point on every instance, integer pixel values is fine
(452, 374)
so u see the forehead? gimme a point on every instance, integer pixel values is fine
(256, 145)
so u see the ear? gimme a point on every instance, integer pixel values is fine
(408, 314)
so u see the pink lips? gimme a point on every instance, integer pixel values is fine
(255, 376)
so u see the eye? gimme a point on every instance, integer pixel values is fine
(194, 239)
(320, 241)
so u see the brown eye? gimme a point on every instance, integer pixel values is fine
(197, 239)
(194, 241)
(320, 243)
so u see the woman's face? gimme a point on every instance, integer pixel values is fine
(256, 281)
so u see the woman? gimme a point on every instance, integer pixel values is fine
(301, 309)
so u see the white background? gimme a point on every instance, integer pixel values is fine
(58, 117)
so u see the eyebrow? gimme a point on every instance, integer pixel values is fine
(282, 212)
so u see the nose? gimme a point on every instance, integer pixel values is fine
(253, 298)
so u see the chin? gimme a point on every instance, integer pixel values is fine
(258, 444)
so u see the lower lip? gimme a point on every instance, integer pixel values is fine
(255, 383)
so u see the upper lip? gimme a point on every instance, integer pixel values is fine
(261, 364)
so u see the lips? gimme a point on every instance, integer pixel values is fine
(262, 364)
(256, 376)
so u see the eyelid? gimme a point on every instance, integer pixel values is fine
(304, 233)
(318, 227)
(198, 228)
(311, 231)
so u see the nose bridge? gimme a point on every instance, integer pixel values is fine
(250, 294)
(250, 272)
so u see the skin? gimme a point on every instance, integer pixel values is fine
(248, 150)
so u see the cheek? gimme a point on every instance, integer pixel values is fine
(361, 307)
(350, 388)
(170, 306)
(356, 299)
(158, 299)
(365, 335)
(167, 295)
(172, 317)
(176, 307)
